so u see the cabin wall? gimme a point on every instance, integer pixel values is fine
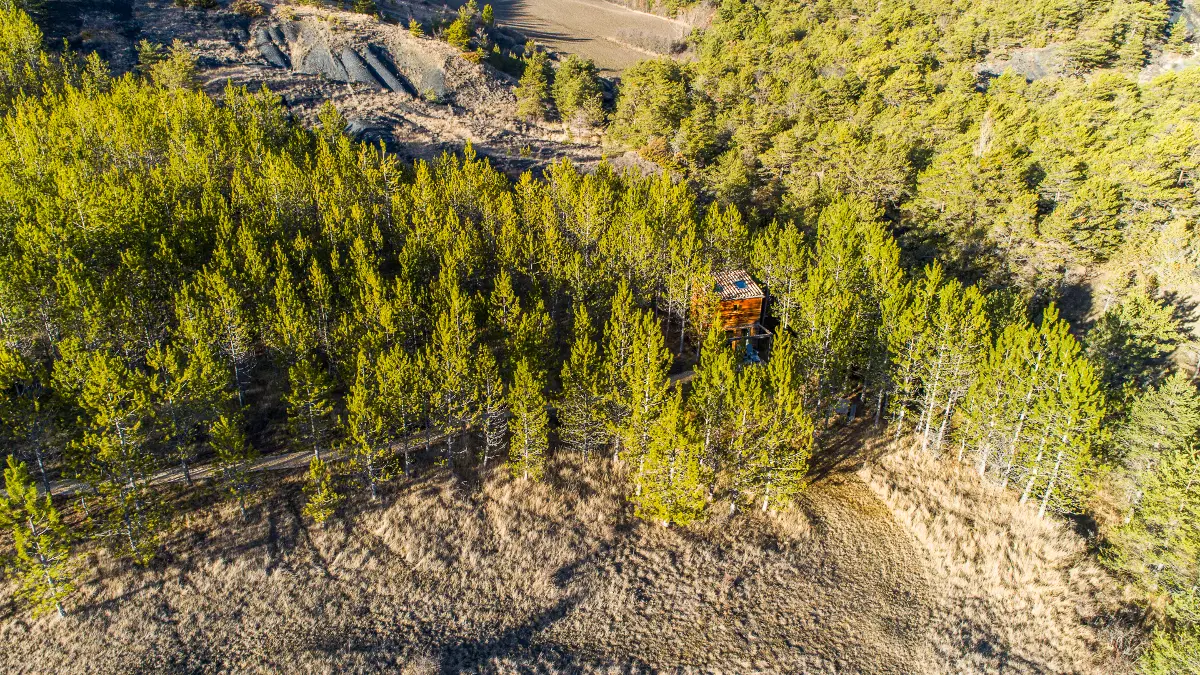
(735, 313)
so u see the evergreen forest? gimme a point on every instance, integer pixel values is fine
(192, 281)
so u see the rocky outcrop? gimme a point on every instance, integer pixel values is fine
(357, 69)
(1033, 63)
(425, 70)
(305, 48)
(384, 71)
(317, 59)
(269, 49)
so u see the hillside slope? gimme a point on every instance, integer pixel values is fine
(446, 576)
(441, 102)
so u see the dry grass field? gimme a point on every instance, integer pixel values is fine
(1019, 593)
(614, 36)
(446, 575)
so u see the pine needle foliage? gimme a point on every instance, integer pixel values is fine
(42, 565)
(320, 491)
(530, 424)
(533, 90)
(235, 457)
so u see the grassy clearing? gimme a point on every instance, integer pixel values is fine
(1019, 594)
(448, 575)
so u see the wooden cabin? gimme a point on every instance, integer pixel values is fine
(739, 305)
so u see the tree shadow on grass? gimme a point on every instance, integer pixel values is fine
(846, 448)
(521, 644)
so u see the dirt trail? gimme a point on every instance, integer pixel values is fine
(285, 461)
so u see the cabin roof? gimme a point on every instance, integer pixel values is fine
(735, 285)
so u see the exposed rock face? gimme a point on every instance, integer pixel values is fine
(316, 59)
(312, 53)
(384, 71)
(447, 100)
(1034, 63)
(290, 31)
(269, 50)
(277, 35)
(356, 68)
(426, 71)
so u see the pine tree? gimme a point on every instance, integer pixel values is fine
(177, 70)
(368, 441)
(42, 565)
(837, 308)
(451, 352)
(309, 405)
(1131, 341)
(322, 312)
(1159, 544)
(672, 486)
(25, 68)
(581, 402)
(27, 412)
(749, 413)
(685, 276)
(112, 455)
(520, 334)
(290, 330)
(531, 340)
(644, 381)
(653, 101)
(1178, 40)
(467, 13)
(504, 320)
(935, 344)
(533, 91)
(726, 237)
(885, 292)
(1161, 420)
(1132, 55)
(403, 389)
(488, 16)
(527, 449)
(780, 258)
(212, 312)
(1034, 413)
(618, 350)
(494, 406)
(189, 391)
(710, 395)
(909, 348)
(459, 34)
(415, 29)
(1172, 652)
(235, 457)
(959, 329)
(1088, 223)
(323, 498)
(1077, 407)
(778, 465)
(577, 93)
(1001, 400)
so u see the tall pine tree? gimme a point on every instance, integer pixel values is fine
(42, 565)
(530, 424)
